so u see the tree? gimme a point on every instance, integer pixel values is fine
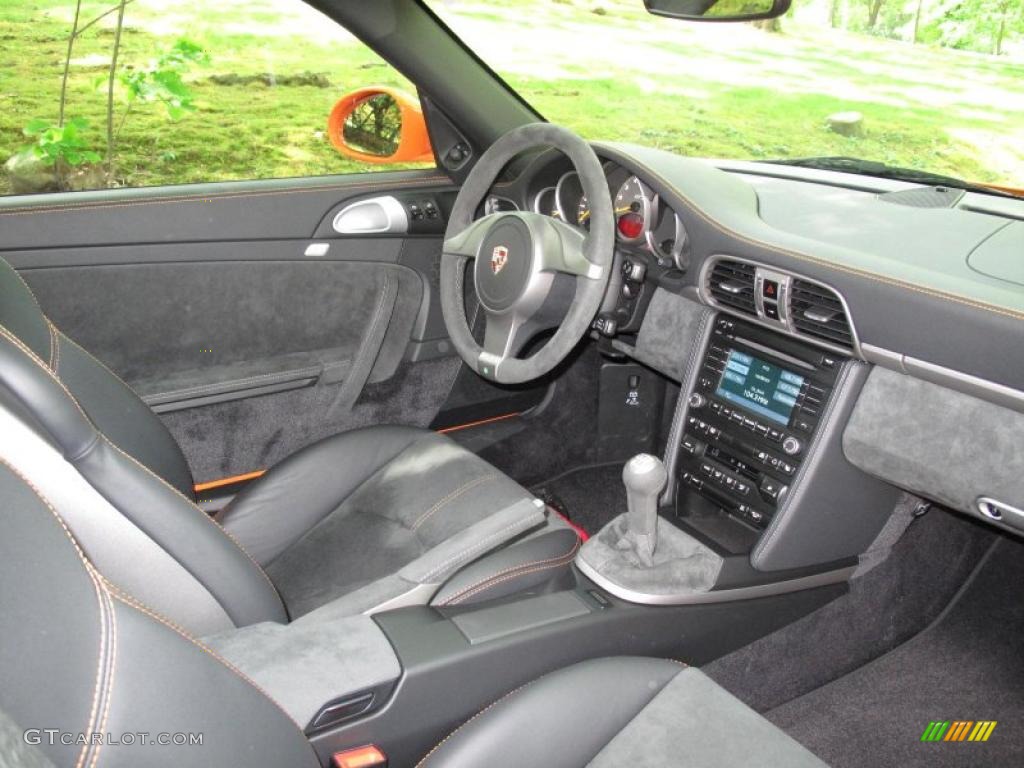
(874, 9)
(980, 25)
(917, 20)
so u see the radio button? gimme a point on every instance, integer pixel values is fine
(771, 489)
(762, 430)
(803, 425)
(774, 435)
(791, 445)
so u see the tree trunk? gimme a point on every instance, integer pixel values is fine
(111, 77)
(833, 14)
(67, 64)
(917, 19)
(769, 25)
(1000, 35)
(874, 8)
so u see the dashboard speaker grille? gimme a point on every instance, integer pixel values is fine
(731, 283)
(817, 311)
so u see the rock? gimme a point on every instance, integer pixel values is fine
(28, 174)
(846, 123)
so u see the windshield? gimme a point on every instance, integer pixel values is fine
(831, 78)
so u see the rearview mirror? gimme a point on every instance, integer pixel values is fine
(379, 125)
(718, 10)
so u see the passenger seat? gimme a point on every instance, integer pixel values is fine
(80, 656)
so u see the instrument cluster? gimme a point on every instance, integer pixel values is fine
(642, 221)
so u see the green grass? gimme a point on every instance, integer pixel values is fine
(704, 90)
(237, 131)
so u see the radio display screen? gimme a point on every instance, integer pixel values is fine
(760, 387)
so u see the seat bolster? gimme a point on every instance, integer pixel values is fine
(275, 511)
(559, 721)
(185, 532)
(695, 717)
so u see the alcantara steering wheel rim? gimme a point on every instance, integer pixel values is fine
(517, 255)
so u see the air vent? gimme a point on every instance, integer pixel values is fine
(818, 312)
(731, 284)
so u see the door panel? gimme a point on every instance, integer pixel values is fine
(207, 304)
(248, 347)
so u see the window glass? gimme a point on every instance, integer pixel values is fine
(932, 85)
(151, 92)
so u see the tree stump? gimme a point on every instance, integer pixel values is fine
(846, 123)
(28, 175)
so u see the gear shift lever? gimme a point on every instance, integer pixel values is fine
(644, 476)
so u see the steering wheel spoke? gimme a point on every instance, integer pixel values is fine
(504, 337)
(467, 242)
(518, 261)
(563, 249)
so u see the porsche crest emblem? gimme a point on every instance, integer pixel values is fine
(499, 258)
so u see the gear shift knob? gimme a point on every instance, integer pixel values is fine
(644, 476)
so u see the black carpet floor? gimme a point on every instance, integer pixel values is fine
(589, 496)
(883, 609)
(967, 665)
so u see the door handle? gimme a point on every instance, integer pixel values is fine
(377, 215)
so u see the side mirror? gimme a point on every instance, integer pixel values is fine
(718, 10)
(380, 125)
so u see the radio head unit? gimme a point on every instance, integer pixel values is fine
(754, 410)
(760, 387)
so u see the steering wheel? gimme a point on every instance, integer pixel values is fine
(521, 259)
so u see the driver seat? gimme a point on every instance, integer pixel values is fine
(370, 519)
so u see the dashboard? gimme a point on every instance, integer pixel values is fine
(905, 301)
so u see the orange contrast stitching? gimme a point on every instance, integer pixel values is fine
(32, 356)
(133, 602)
(451, 497)
(527, 568)
(99, 601)
(858, 271)
(78, 206)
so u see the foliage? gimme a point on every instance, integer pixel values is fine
(55, 144)
(984, 26)
(161, 81)
(707, 90)
(977, 25)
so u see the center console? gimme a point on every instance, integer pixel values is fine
(755, 409)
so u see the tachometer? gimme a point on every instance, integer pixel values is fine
(634, 210)
(583, 213)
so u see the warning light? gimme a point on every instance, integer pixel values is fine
(631, 225)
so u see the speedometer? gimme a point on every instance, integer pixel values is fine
(634, 210)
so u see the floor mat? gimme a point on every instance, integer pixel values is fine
(883, 609)
(968, 665)
(590, 496)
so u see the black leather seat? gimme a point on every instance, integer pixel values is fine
(82, 656)
(338, 520)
